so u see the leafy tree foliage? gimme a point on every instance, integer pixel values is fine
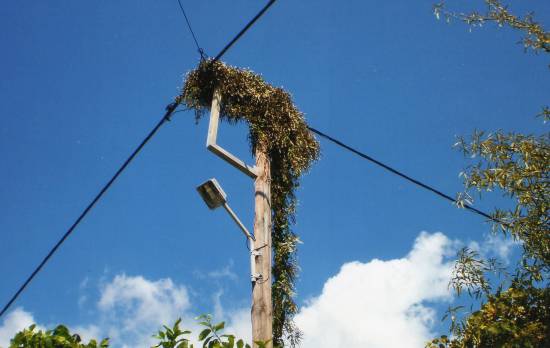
(519, 316)
(516, 313)
(518, 166)
(211, 336)
(60, 337)
(516, 317)
(171, 337)
(535, 36)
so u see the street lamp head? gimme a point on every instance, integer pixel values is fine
(214, 197)
(212, 194)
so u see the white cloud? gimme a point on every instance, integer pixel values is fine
(238, 320)
(374, 304)
(239, 324)
(133, 308)
(218, 274)
(87, 333)
(15, 321)
(218, 308)
(381, 304)
(84, 283)
(495, 245)
(130, 309)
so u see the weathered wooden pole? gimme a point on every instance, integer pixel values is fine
(262, 309)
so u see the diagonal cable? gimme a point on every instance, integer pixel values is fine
(199, 48)
(250, 23)
(404, 176)
(169, 110)
(166, 117)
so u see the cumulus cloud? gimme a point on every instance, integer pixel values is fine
(495, 245)
(239, 323)
(15, 321)
(132, 308)
(238, 320)
(88, 333)
(381, 304)
(225, 272)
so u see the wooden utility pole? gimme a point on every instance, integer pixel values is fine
(262, 309)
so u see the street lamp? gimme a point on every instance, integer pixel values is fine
(260, 248)
(214, 197)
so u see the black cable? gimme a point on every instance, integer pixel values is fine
(169, 111)
(201, 51)
(404, 176)
(238, 36)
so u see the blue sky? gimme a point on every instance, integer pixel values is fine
(83, 83)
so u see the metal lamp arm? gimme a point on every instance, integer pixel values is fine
(218, 150)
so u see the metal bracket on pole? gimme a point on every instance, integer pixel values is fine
(254, 277)
(253, 254)
(218, 150)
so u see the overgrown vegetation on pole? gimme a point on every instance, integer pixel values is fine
(278, 128)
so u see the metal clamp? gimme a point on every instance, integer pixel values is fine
(255, 277)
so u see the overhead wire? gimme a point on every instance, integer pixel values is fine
(403, 175)
(199, 48)
(349, 148)
(250, 23)
(166, 117)
(169, 110)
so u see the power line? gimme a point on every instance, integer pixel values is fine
(169, 110)
(238, 36)
(166, 117)
(201, 51)
(404, 176)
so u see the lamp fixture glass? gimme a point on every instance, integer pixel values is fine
(212, 194)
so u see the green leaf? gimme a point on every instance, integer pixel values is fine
(219, 326)
(204, 333)
(206, 341)
(183, 344)
(230, 341)
(214, 344)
